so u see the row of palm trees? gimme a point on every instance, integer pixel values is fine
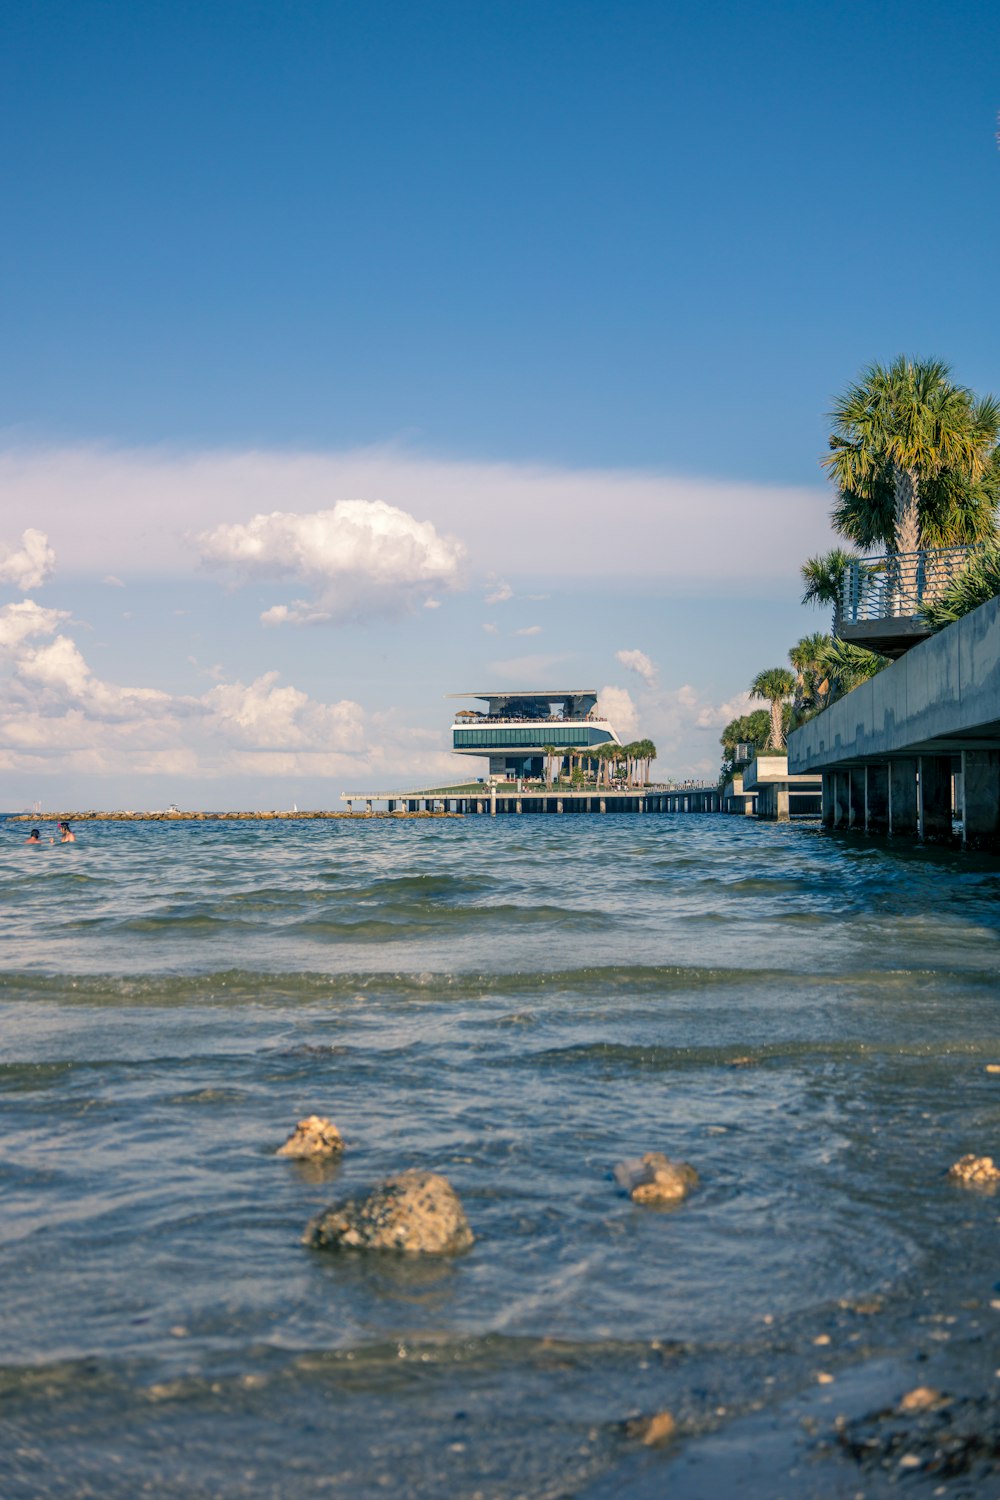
(606, 763)
(915, 459)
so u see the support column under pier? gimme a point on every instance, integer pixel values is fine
(934, 798)
(856, 797)
(903, 797)
(876, 799)
(826, 816)
(981, 795)
(841, 799)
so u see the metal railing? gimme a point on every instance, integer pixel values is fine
(897, 586)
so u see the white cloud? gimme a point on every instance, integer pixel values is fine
(639, 662)
(500, 594)
(683, 530)
(266, 716)
(113, 582)
(361, 557)
(490, 628)
(19, 622)
(718, 715)
(58, 717)
(529, 630)
(616, 705)
(31, 564)
(432, 604)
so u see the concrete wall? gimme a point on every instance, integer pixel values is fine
(942, 695)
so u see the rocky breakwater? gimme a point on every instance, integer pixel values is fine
(414, 1212)
(215, 817)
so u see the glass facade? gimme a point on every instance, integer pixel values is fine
(530, 737)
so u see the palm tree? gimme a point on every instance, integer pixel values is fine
(906, 425)
(551, 753)
(647, 754)
(776, 685)
(822, 577)
(812, 679)
(848, 666)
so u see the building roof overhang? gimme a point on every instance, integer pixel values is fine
(554, 693)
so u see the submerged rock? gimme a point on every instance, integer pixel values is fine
(921, 1398)
(314, 1136)
(654, 1430)
(655, 1180)
(416, 1212)
(977, 1171)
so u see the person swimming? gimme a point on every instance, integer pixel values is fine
(68, 836)
(34, 837)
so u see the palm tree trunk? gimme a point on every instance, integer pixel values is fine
(777, 734)
(906, 485)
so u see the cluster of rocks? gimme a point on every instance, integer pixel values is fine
(419, 1213)
(929, 1434)
(975, 1171)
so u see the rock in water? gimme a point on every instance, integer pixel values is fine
(977, 1171)
(313, 1136)
(416, 1212)
(655, 1180)
(652, 1431)
(921, 1398)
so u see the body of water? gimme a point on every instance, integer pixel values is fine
(518, 1003)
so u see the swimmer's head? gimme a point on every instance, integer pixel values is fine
(35, 834)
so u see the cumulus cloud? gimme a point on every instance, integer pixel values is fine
(113, 582)
(638, 662)
(360, 557)
(19, 622)
(616, 705)
(58, 715)
(490, 628)
(266, 716)
(31, 564)
(529, 630)
(718, 715)
(500, 594)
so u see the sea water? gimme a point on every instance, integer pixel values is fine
(519, 1003)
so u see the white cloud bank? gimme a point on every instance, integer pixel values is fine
(129, 512)
(31, 564)
(362, 556)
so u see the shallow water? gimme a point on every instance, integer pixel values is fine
(519, 1003)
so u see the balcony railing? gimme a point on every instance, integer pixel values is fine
(897, 587)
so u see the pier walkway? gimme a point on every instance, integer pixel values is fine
(489, 800)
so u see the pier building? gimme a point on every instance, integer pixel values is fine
(517, 731)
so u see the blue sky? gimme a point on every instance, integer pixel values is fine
(471, 260)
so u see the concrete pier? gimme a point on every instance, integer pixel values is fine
(503, 798)
(922, 738)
